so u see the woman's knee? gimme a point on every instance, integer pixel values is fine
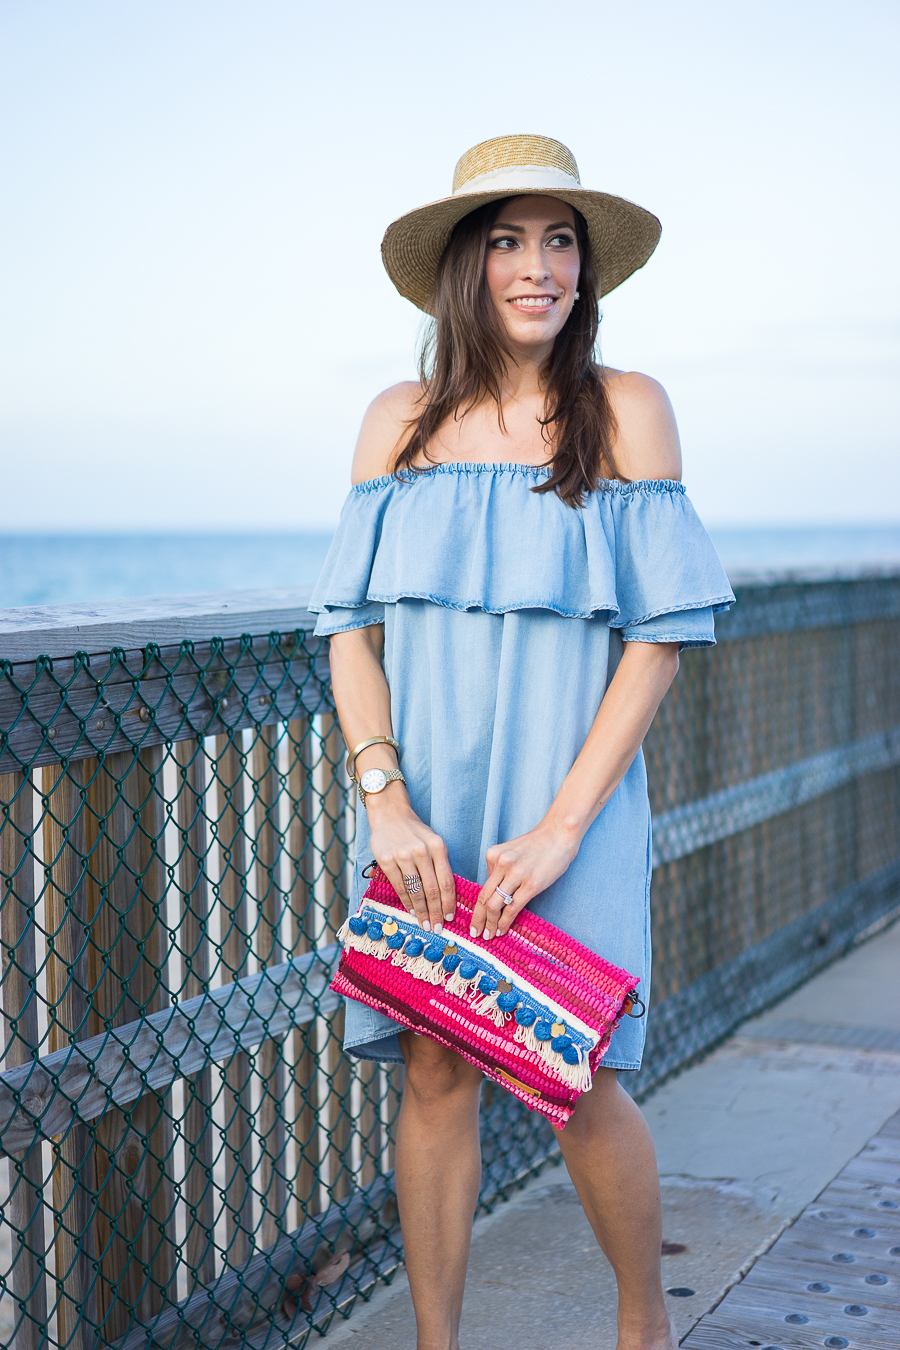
(435, 1074)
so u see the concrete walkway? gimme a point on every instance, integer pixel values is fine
(746, 1140)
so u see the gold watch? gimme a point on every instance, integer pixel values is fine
(376, 780)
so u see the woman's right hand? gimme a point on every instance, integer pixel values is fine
(403, 846)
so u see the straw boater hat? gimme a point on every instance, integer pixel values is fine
(622, 235)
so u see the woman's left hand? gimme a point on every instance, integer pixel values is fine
(523, 868)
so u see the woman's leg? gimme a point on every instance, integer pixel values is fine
(609, 1152)
(438, 1175)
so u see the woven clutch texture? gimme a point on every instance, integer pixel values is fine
(534, 1009)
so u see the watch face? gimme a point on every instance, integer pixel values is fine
(373, 780)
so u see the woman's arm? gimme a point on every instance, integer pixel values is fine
(528, 865)
(401, 843)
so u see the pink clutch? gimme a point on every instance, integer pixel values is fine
(534, 1009)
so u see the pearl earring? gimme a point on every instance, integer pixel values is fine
(578, 295)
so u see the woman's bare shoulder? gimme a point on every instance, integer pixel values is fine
(646, 443)
(383, 428)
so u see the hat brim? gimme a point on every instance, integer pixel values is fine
(622, 234)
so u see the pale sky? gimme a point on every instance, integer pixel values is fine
(193, 311)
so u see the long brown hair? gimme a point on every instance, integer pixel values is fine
(465, 354)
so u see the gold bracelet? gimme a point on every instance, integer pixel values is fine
(364, 745)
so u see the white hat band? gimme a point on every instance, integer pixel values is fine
(519, 176)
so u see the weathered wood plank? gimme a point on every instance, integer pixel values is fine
(59, 630)
(68, 981)
(24, 1208)
(111, 708)
(273, 1179)
(771, 1308)
(194, 940)
(724, 1330)
(847, 1284)
(135, 1232)
(118, 1066)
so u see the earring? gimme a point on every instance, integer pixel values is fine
(578, 295)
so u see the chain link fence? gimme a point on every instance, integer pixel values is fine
(191, 1161)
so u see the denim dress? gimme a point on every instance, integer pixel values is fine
(504, 615)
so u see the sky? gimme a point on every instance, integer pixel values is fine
(193, 311)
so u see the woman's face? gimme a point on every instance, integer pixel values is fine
(532, 268)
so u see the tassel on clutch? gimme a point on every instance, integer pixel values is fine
(533, 1009)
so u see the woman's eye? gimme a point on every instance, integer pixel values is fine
(505, 242)
(562, 241)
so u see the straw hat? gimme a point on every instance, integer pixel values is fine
(622, 235)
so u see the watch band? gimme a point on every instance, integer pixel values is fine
(390, 776)
(364, 745)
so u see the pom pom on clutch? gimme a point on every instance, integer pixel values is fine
(415, 947)
(469, 969)
(508, 1000)
(435, 950)
(526, 1017)
(452, 961)
(374, 931)
(396, 941)
(358, 925)
(543, 1031)
(486, 985)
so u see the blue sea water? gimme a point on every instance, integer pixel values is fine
(40, 569)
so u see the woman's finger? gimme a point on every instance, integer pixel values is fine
(413, 890)
(432, 892)
(512, 912)
(446, 884)
(394, 874)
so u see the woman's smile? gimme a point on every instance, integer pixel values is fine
(531, 304)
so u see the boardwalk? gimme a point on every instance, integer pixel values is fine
(833, 1278)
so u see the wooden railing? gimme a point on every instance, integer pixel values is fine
(188, 1149)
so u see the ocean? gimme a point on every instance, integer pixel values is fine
(43, 569)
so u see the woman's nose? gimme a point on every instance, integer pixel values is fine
(535, 265)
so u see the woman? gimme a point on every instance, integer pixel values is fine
(515, 571)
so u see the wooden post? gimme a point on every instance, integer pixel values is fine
(337, 1068)
(135, 1231)
(198, 1126)
(302, 938)
(270, 1057)
(238, 1194)
(67, 991)
(25, 1206)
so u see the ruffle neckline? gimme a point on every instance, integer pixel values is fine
(475, 536)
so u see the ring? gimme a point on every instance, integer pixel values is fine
(507, 898)
(413, 884)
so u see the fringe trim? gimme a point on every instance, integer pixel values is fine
(577, 1076)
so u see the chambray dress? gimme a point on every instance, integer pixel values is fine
(504, 615)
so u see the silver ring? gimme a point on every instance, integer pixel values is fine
(413, 884)
(507, 898)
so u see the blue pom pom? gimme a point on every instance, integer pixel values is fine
(435, 950)
(508, 1000)
(526, 1017)
(396, 940)
(358, 925)
(543, 1030)
(374, 930)
(486, 985)
(559, 1043)
(469, 968)
(452, 961)
(570, 1054)
(415, 947)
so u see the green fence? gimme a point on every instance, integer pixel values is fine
(191, 1161)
